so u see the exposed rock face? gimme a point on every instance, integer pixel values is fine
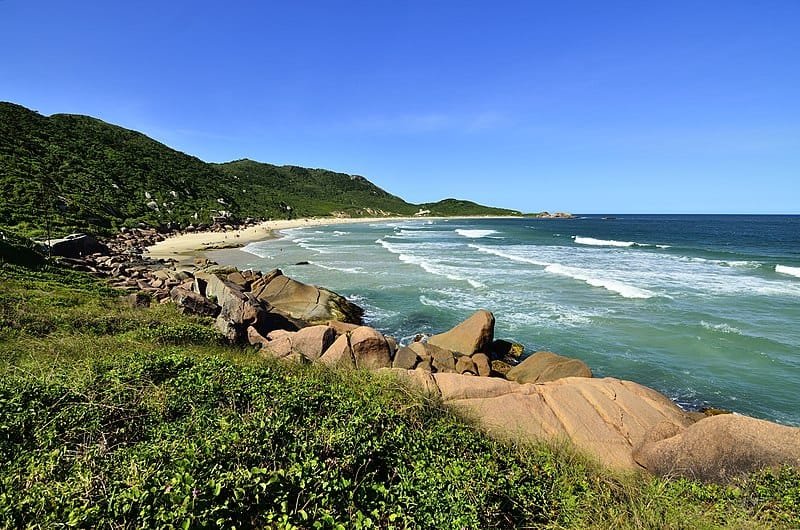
(280, 347)
(370, 349)
(135, 300)
(341, 327)
(471, 336)
(434, 358)
(405, 358)
(311, 304)
(481, 362)
(192, 303)
(546, 366)
(339, 355)
(237, 312)
(607, 418)
(718, 448)
(464, 365)
(312, 341)
(76, 246)
(255, 338)
(501, 368)
(504, 348)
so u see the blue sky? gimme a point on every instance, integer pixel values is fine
(679, 106)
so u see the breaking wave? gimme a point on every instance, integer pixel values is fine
(428, 265)
(352, 270)
(508, 256)
(722, 328)
(627, 291)
(474, 234)
(612, 243)
(256, 250)
(791, 271)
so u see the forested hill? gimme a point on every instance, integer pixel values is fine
(87, 175)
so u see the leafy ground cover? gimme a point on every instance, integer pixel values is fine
(112, 417)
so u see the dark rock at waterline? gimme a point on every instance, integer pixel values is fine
(303, 263)
(501, 349)
(500, 368)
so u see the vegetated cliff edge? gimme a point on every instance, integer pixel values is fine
(79, 173)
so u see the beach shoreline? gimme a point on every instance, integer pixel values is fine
(186, 246)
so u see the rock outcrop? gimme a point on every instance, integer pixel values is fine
(370, 349)
(606, 418)
(313, 341)
(471, 336)
(308, 303)
(546, 366)
(75, 246)
(190, 302)
(339, 355)
(719, 448)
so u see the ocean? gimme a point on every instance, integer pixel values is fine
(703, 308)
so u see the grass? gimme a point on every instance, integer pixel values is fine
(112, 417)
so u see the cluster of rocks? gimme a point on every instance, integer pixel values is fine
(248, 305)
(122, 257)
(468, 349)
(556, 215)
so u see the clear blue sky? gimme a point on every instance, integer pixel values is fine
(595, 106)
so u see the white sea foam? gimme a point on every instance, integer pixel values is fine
(352, 270)
(339, 233)
(512, 257)
(627, 291)
(256, 250)
(743, 264)
(612, 243)
(722, 327)
(602, 242)
(303, 243)
(474, 234)
(439, 270)
(428, 265)
(791, 271)
(416, 234)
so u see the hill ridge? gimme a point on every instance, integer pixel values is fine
(81, 173)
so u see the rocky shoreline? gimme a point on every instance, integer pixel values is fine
(622, 424)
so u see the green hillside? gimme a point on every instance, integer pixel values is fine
(309, 191)
(448, 207)
(87, 175)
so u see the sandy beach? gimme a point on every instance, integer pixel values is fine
(185, 246)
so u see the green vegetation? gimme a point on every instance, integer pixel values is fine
(112, 417)
(453, 207)
(87, 175)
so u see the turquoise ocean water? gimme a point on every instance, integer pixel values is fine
(703, 308)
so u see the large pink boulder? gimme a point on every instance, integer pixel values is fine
(370, 349)
(719, 448)
(471, 336)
